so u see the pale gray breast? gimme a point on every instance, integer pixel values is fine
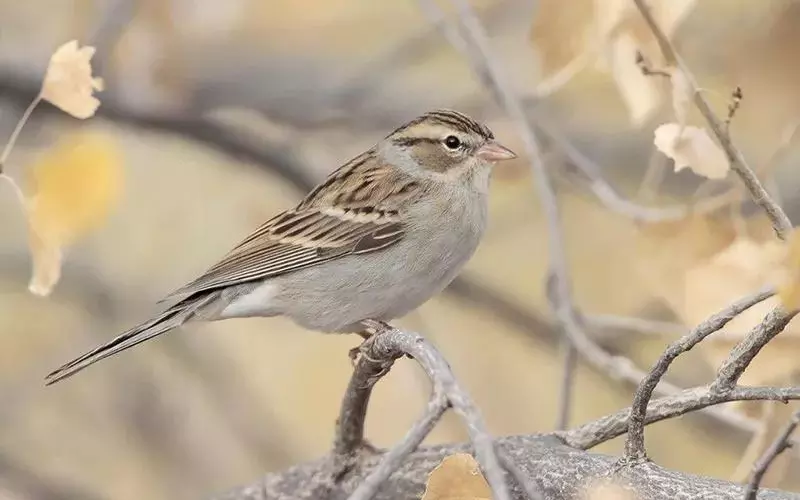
(449, 227)
(442, 233)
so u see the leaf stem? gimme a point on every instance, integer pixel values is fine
(15, 134)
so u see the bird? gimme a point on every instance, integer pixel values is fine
(375, 240)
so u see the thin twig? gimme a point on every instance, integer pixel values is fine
(780, 222)
(392, 460)
(378, 353)
(617, 367)
(781, 443)
(745, 351)
(528, 484)
(606, 428)
(17, 129)
(634, 445)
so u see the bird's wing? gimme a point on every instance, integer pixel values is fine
(355, 211)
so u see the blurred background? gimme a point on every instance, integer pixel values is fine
(215, 115)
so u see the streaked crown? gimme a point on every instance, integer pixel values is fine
(443, 118)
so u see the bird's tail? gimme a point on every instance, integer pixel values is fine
(173, 317)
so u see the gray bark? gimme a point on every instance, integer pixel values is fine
(561, 471)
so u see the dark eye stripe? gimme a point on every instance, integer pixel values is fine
(410, 141)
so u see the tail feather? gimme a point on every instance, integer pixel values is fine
(168, 320)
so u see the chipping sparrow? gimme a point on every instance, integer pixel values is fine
(380, 236)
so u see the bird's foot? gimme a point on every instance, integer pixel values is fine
(371, 329)
(374, 327)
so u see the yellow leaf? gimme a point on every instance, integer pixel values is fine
(692, 147)
(68, 82)
(73, 186)
(458, 477)
(789, 290)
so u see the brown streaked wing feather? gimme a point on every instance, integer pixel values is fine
(354, 211)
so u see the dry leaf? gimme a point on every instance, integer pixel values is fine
(741, 268)
(682, 93)
(609, 15)
(670, 13)
(74, 187)
(668, 250)
(560, 34)
(458, 477)
(692, 147)
(607, 490)
(738, 270)
(68, 83)
(789, 289)
(640, 92)
(46, 256)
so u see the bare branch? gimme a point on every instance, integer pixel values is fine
(468, 35)
(561, 471)
(604, 429)
(780, 222)
(634, 445)
(746, 350)
(377, 355)
(353, 413)
(780, 445)
(393, 459)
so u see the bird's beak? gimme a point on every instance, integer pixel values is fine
(494, 151)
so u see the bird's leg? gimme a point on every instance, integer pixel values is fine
(372, 327)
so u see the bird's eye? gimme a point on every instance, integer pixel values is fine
(452, 142)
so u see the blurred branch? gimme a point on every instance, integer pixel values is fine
(778, 446)
(634, 445)
(377, 354)
(780, 222)
(21, 479)
(265, 153)
(410, 51)
(466, 32)
(568, 368)
(638, 325)
(467, 35)
(261, 432)
(611, 199)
